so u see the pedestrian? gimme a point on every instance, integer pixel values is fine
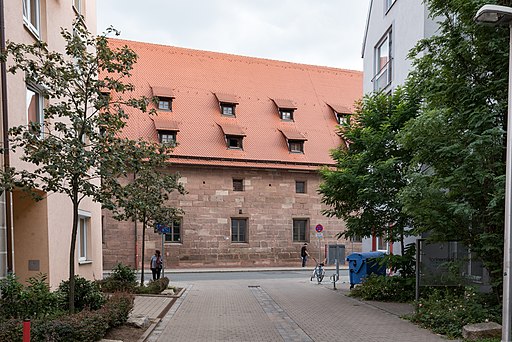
(156, 265)
(304, 254)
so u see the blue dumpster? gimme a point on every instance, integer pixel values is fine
(363, 264)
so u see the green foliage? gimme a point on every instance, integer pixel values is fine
(89, 97)
(122, 278)
(456, 188)
(445, 312)
(386, 289)
(84, 326)
(87, 294)
(404, 264)
(28, 302)
(154, 287)
(370, 173)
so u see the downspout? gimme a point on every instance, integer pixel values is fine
(135, 231)
(5, 133)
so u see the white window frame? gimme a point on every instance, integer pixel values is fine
(39, 109)
(388, 4)
(77, 6)
(378, 242)
(35, 28)
(84, 223)
(383, 72)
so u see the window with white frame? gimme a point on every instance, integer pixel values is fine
(35, 112)
(383, 62)
(388, 4)
(83, 236)
(77, 6)
(174, 234)
(32, 15)
(381, 244)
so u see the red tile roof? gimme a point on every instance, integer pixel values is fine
(197, 77)
(231, 129)
(284, 104)
(163, 92)
(226, 98)
(340, 109)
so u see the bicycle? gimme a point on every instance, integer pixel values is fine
(318, 272)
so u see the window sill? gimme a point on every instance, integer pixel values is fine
(84, 262)
(174, 243)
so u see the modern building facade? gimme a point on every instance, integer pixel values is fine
(393, 28)
(40, 232)
(251, 135)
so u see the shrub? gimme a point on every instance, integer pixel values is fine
(154, 287)
(446, 312)
(382, 288)
(123, 278)
(84, 326)
(87, 294)
(32, 301)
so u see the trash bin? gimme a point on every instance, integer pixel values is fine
(361, 265)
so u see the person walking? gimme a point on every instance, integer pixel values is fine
(304, 254)
(156, 265)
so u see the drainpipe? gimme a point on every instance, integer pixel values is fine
(5, 133)
(135, 231)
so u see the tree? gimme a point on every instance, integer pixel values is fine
(371, 171)
(144, 198)
(456, 189)
(80, 141)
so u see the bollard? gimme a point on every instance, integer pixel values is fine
(26, 330)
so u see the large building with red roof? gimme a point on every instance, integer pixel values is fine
(251, 135)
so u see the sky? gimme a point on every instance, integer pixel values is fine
(318, 32)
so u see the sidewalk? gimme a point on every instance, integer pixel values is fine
(273, 310)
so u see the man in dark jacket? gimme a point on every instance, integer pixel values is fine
(304, 254)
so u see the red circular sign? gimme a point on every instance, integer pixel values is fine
(319, 228)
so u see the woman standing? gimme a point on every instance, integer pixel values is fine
(156, 265)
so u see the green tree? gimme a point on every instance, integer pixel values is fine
(363, 189)
(79, 142)
(456, 189)
(144, 197)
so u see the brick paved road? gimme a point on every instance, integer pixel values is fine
(279, 310)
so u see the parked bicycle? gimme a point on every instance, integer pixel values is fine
(318, 272)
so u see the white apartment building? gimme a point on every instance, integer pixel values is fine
(393, 27)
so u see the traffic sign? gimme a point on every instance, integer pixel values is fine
(319, 235)
(319, 228)
(162, 229)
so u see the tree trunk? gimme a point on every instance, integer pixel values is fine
(143, 249)
(72, 254)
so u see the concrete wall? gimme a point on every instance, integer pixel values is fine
(54, 216)
(269, 203)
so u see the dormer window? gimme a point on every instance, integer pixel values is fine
(296, 146)
(294, 139)
(164, 98)
(342, 118)
(165, 103)
(234, 141)
(227, 109)
(286, 109)
(286, 114)
(167, 137)
(227, 103)
(234, 135)
(341, 113)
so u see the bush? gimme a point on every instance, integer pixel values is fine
(382, 288)
(123, 278)
(87, 294)
(446, 312)
(30, 302)
(154, 287)
(83, 326)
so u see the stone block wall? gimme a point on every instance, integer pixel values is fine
(269, 203)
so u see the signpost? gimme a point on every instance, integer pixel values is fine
(319, 228)
(162, 230)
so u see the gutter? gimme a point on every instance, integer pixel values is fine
(5, 135)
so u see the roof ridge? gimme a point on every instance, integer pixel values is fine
(223, 55)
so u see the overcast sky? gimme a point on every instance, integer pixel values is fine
(319, 32)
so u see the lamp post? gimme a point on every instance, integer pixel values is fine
(501, 15)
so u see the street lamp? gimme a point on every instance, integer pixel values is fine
(501, 15)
